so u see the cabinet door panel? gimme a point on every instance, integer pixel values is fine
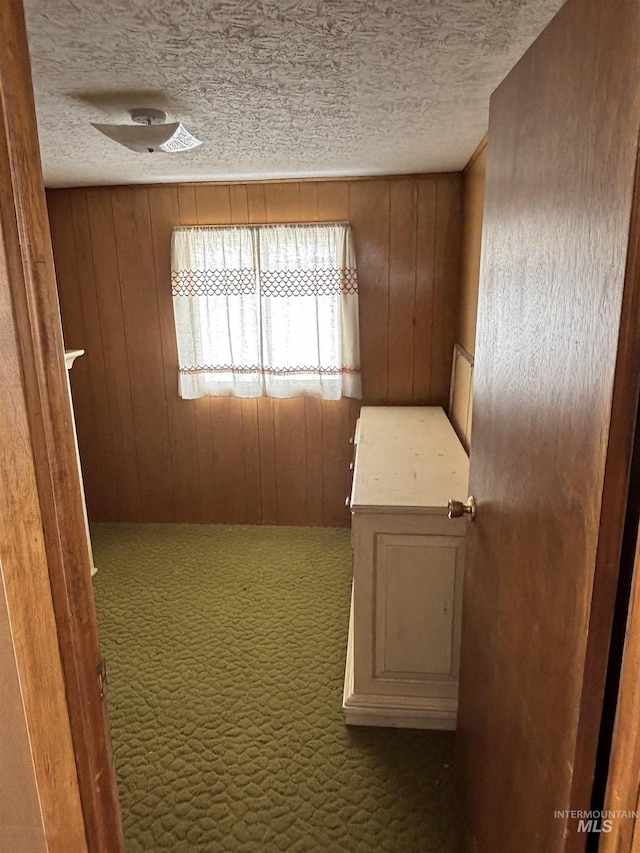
(415, 595)
(417, 588)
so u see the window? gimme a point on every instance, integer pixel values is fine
(268, 310)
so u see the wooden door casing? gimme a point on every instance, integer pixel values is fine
(623, 777)
(42, 521)
(555, 391)
(623, 788)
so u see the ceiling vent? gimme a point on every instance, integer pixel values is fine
(150, 133)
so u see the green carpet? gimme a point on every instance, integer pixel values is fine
(225, 649)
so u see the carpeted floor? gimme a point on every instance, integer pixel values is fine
(225, 649)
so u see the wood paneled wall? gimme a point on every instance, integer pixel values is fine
(473, 177)
(472, 206)
(148, 455)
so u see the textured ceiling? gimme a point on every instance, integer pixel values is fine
(273, 88)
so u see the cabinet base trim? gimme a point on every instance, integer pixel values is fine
(407, 712)
(366, 710)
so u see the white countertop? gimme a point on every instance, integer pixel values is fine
(407, 456)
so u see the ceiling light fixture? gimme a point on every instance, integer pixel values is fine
(150, 133)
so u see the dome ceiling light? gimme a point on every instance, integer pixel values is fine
(150, 133)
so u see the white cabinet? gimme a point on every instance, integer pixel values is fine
(404, 631)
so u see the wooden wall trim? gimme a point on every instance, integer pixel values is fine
(51, 609)
(264, 181)
(472, 206)
(480, 148)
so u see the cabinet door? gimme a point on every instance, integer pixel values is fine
(415, 592)
(417, 588)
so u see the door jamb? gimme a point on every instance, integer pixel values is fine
(37, 324)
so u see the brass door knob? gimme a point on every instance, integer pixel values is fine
(457, 509)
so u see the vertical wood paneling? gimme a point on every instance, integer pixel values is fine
(238, 204)
(369, 215)
(424, 299)
(402, 289)
(251, 462)
(118, 375)
(308, 210)
(336, 455)
(102, 437)
(267, 447)
(187, 205)
(314, 459)
(213, 205)
(61, 225)
(76, 337)
(446, 284)
(256, 203)
(282, 202)
(164, 209)
(138, 289)
(333, 201)
(472, 207)
(223, 459)
(290, 455)
(226, 440)
(208, 493)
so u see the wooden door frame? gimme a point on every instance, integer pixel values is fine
(34, 376)
(623, 783)
(623, 778)
(621, 439)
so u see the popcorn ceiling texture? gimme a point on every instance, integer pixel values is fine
(278, 88)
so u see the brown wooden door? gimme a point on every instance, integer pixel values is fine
(555, 391)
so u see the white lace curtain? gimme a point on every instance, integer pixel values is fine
(266, 310)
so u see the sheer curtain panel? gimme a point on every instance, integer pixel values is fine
(266, 310)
